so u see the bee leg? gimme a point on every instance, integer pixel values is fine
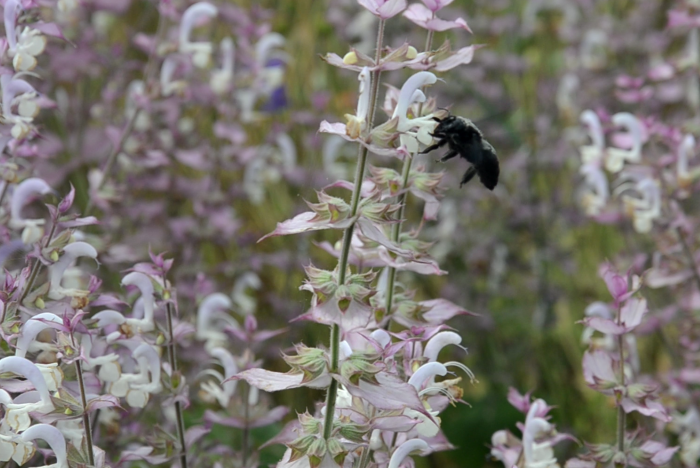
(449, 156)
(434, 147)
(471, 172)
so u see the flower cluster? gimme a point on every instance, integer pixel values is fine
(650, 157)
(134, 127)
(385, 390)
(611, 367)
(534, 449)
(89, 329)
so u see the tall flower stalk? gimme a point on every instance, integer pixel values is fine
(364, 367)
(405, 174)
(172, 360)
(362, 151)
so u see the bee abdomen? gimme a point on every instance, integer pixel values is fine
(488, 169)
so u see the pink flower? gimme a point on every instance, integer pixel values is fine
(679, 19)
(384, 9)
(435, 5)
(656, 452)
(425, 17)
(616, 283)
(598, 370)
(275, 381)
(328, 213)
(520, 402)
(631, 316)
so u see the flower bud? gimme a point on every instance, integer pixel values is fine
(383, 135)
(350, 58)
(310, 424)
(316, 452)
(312, 362)
(336, 450)
(619, 459)
(354, 432)
(411, 53)
(359, 367)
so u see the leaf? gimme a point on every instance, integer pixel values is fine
(304, 222)
(275, 381)
(37, 293)
(78, 222)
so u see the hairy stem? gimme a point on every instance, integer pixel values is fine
(113, 155)
(246, 430)
(36, 267)
(172, 360)
(396, 228)
(86, 416)
(4, 191)
(621, 415)
(332, 393)
(365, 457)
(83, 401)
(691, 257)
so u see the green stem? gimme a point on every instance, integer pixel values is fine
(621, 415)
(36, 266)
(396, 233)
(86, 416)
(332, 393)
(4, 191)
(246, 430)
(113, 155)
(365, 457)
(83, 400)
(396, 228)
(689, 254)
(172, 360)
(333, 387)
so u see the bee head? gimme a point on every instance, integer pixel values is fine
(449, 118)
(449, 124)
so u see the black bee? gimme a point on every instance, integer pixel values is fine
(465, 139)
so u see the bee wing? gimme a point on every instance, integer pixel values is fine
(489, 169)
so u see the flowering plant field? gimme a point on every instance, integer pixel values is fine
(351, 233)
